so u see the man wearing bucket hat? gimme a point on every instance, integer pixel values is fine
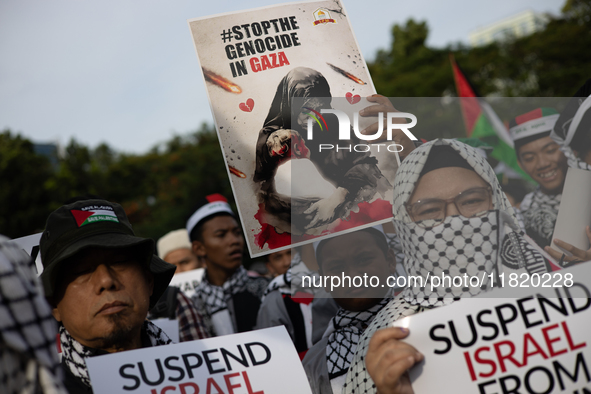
(540, 157)
(101, 281)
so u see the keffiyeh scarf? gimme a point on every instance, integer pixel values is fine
(28, 360)
(74, 353)
(539, 211)
(344, 332)
(215, 298)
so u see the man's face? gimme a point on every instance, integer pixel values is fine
(545, 163)
(222, 244)
(103, 297)
(278, 262)
(356, 254)
(183, 258)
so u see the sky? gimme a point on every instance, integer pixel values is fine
(126, 72)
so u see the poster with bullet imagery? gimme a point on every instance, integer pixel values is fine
(267, 72)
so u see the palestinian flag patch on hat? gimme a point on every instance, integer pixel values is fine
(208, 206)
(540, 122)
(93, 214)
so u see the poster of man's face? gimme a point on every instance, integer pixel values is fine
(284, 84)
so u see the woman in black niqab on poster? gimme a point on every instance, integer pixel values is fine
(355, 175)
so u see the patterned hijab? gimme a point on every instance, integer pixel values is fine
(74, 353)
(475, 246)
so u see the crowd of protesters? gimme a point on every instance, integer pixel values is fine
(101, 285)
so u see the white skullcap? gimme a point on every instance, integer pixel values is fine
(177, 239)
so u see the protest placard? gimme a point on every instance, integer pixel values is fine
(287, 188)
(574, 213)
(518, 339)
(256, 362)
(187, 281)
(30, 244)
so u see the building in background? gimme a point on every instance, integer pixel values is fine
(518, 25)
(49, 150)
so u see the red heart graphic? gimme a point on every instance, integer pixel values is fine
(352, 99)
(248, 106)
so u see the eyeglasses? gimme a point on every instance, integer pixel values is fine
(469, 203)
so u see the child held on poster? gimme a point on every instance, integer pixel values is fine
(304, 311)
(356, 255)
(449, 212)
(572, 132)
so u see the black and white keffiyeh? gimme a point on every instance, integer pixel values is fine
(539, 211)
(574, 120)
(74, 353)
(296, 270)
(473, 246)
(492, 243)
(215, 299)
(344, 332)
(28, 354)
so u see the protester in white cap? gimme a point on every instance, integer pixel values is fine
(230, 297)
(541, 158)
(175, 248)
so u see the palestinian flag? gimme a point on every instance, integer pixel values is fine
(92, 216)
(483, 123)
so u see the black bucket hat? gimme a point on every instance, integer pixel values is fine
(95, 223)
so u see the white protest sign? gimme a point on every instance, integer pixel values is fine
(256, 362)
(532, 340)
(187, 281)
(170, 327)
(28, 243)
(574, 213)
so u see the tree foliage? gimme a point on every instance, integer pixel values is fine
(552, 62)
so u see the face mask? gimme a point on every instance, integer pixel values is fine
(459, 246)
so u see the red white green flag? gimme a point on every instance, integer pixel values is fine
(92, 216)
(483, 123)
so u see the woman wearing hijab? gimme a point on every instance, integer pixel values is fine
(354, 175)
(453, 219)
